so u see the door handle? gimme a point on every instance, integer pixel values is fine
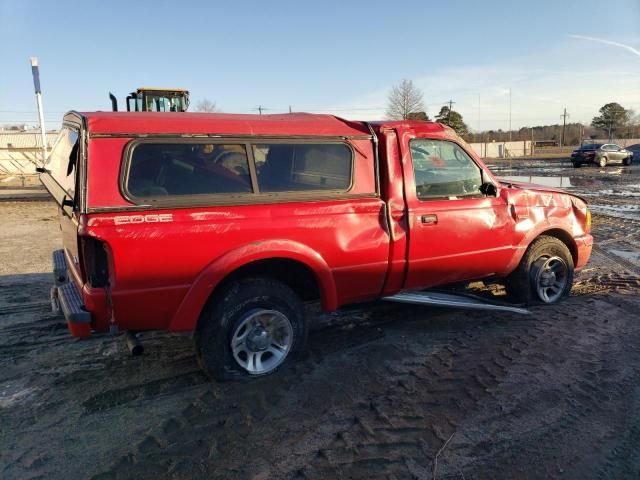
(429, 219)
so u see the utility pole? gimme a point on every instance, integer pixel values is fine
(451, 102)
(36, 85)
(533, 142)
(260, 108)
(478, 113)
(509, 113)
(564, 125)
(289, 108)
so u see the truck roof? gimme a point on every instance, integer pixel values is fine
(417, 125)
(302, 124)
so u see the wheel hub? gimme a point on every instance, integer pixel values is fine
(550, 278)
(261, 341)
(258, 339)
(547, 278)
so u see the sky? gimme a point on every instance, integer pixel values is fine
(493, 59)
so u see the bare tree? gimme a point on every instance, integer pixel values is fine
(206, 105)
(404, 99)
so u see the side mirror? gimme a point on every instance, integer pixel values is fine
(489, 189)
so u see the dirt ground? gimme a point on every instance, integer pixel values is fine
(391, 391)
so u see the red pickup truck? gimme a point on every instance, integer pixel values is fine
(225, 224)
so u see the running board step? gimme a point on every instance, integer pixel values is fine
(441, 299)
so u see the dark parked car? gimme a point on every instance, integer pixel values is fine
(601, 154)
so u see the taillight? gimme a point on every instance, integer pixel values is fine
(587, 223)
(94, 261)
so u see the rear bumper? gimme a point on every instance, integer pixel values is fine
(65, 296)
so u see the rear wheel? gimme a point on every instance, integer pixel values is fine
(251, 328)
(545, 273)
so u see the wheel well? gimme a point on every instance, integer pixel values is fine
(296, 275)
(565, 238)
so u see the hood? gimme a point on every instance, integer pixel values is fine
(539, 188)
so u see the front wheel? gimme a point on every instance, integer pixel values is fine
(545, 273)
(603, 162)
(250, 329)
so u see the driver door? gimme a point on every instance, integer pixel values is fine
(456, 232)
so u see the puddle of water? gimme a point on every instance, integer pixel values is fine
(621, 193)
(627, 255)
(559, 182)
(617, 171)
(14, 393)
(630, 212)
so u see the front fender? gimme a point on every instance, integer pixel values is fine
(552, 227)
(186, 317)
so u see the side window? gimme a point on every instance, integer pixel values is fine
(283, 167)
(62, 162)
(443, 170)
(180, 169)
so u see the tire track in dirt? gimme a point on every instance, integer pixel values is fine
(606, 273)
(398, 429)
(403, 412)
(623, 461)
(574, 414)
(220, 420)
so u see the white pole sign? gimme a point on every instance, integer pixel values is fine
(36, 85)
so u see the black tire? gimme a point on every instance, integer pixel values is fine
(602, 162)
(576, 164)
(523, 285)
(224, 316)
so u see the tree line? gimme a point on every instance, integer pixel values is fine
(405, 102)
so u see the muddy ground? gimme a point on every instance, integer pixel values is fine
(390, 392)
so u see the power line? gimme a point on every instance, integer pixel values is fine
(30, 111)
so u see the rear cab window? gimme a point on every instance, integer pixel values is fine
(166, 171)
(158, 170)
(303, 167)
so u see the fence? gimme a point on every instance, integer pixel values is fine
(502, 149)
(523, 148)
(21, 152)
